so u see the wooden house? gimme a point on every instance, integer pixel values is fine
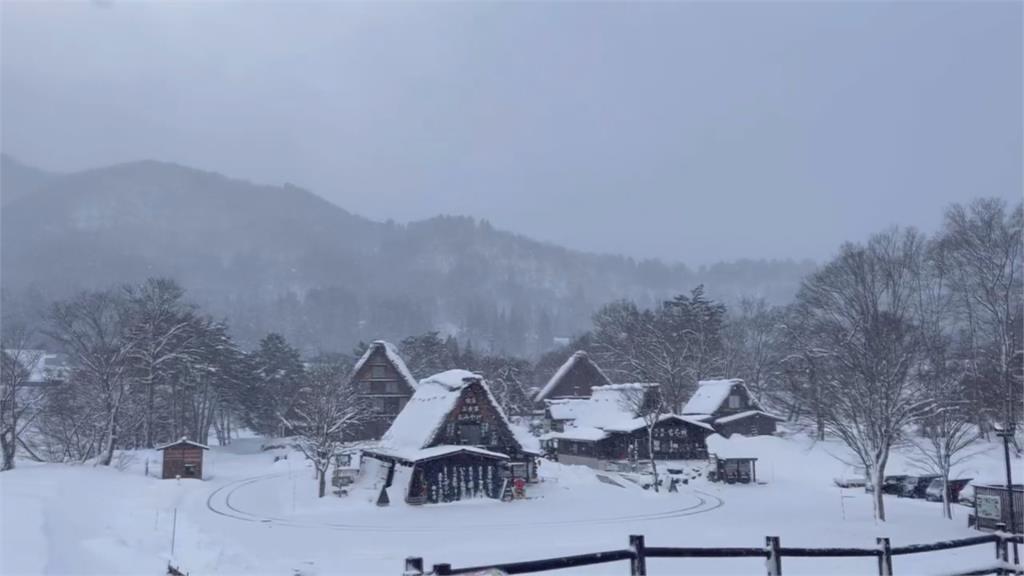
(453, 441)
(574, 379)
(183, 459)
(382, 378)
(728, 406)
(607, 433)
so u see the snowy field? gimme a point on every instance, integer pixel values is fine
(257, 516)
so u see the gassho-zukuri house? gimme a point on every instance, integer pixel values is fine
(728, 406)
(605, 431)
(381, 377)
(452, 441)
(573, 379)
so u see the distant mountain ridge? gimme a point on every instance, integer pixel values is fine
(282, 258)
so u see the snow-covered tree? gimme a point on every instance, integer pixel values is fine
(93, 329)
(166, 335)
(426, 354)
(326, 407)
(984, 248)
(19, 403)
(278, 373)
(647, 403)
(861, 321)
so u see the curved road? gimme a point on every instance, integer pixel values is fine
(220, 502)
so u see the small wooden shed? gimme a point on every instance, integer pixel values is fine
(992, 506)
(733, 470)
(183, 458)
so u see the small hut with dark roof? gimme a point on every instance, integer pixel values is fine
(183, 459)
(574, 379)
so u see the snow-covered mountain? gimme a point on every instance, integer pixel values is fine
(282, 258)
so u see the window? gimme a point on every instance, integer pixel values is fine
(190, 470)
(518, 470)
(469, 433)
(657, 445)
(735, 401)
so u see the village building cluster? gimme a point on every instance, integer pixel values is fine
(445, 437)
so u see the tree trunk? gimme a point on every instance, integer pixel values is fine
(108, 451)
(877, 480)
(323, 481)
(7, 446)
(650, 452)
(149, 410)
(947, 508)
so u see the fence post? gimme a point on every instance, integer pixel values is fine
(884, 557)
(442, 569)
(638, 563)
(1002, 545)
(413, 566)
(774, 558)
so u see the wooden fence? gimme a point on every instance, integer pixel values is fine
(638, 552)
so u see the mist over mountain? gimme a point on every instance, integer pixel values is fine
(280, 258)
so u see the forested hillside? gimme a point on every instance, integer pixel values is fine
(280, 258)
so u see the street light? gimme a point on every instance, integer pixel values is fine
(1006, 434)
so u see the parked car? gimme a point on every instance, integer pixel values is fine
(916, 486)
(934, 491)
(891, 484)
(855, 477)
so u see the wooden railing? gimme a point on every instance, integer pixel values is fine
(638, 552)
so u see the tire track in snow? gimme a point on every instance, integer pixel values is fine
(219, 502)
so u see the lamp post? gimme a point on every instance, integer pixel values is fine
(1007, 434)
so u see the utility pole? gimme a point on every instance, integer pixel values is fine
(1007, 435)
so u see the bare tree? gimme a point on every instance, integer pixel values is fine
(676, 345)
(861, 319)
(753, 338)
(646, 402)
(983, 243)
(18, 402)
(328, 406)
(92, 327)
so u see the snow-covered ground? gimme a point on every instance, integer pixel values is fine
(257, 516)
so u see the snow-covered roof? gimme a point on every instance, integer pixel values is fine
(391, 353)
(710, 395)
(433, 452)
(742, 415)
(609, 405)
(587, 433)
(527, 442)
(578, 357)
(419, 421)
(182, 440)
(566, 408)
(638, 423)
(609, 409)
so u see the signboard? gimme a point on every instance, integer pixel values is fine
(989, 507)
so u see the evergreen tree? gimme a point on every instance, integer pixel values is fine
(278, 374)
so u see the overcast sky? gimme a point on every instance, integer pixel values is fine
(688, 131)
